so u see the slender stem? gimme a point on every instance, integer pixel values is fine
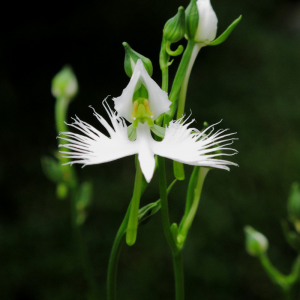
(164, 204)
(165, 79)
(69, 176)
(134, 209)
(179, 276)
(191, 206)
(177, 166)
(163, 62)
(176, 254)
(82, 249)
(114, 259)
(184, 86)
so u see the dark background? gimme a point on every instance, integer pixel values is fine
(251, 82)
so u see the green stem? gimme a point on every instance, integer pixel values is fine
(184, 86)
(179, 77)
(179, 276)
(276, 276)
(69, 176)
(82, 249)
(177, 166)
(163, 62)
(177, 260)
(190, 213)
(134, 209)
(114, 258)
(164, 204)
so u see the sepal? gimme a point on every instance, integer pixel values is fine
(219, 40)
(131, 58)
(158, 130)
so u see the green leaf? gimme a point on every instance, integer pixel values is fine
(131, 131)
(226, 33)
(152, 208)
(158, 130)
(52, 169)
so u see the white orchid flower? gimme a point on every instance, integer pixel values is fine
(208, 22)
(180, 143)
(156, 104)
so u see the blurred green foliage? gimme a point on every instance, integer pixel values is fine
(251, 82)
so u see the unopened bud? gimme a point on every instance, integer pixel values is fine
(256, 243)
(131, 58)
(64, 84)
(201, 21)
(174, 29)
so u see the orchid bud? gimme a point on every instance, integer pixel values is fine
(201, 21)
(131, 58)
(294, 205)
(64, 84)
(174, 29)
(256, 243)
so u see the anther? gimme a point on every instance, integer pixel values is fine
(146, 104)
(135, 108)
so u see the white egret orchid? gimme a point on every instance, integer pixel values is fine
(180, 143)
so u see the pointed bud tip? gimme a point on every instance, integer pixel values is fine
(256, 242)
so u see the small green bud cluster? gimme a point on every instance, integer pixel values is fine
(64, 84)
(294, 206)
(131, 58)
(256, 243)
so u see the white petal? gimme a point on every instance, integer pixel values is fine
(94, 147)
(208, 22)
(146, 155)
(158, 99)
(189, 146)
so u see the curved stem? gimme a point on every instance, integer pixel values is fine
(184, 86)
(114, 258)
(177, 166)
(134, 209)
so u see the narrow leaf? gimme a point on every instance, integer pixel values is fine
(226, 33)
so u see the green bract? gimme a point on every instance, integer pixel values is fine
(191, 19)
(131, 58)
(226, 33)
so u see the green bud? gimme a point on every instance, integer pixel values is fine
(191, 20)
(174, 29)
(64, 84)
(62, 191)
(256, 243)
(52, 168)
(294, 205)
(131, 58)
